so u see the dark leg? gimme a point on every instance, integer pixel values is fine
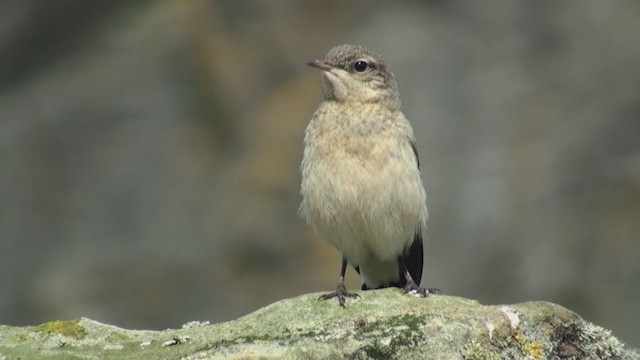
(341, 291)
(411, 286)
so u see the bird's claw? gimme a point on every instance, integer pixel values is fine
(414, 289)
(341, 293)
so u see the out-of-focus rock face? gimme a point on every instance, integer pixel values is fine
(383, 324)
(149, 153)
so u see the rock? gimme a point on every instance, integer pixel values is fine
(382, 324)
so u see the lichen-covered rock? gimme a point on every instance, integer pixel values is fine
(383, 324)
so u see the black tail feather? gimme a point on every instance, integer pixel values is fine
(413, 258)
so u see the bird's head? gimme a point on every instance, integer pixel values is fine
(351, 73)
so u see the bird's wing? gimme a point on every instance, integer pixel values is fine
(413, 257)
(415, 151)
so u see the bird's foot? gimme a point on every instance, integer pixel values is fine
(341, 293)
(413, 289)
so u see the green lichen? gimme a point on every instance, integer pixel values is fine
(286, 337)
(391, 336)
(20, 338)
(504, 341)
(531, 349)
(67, 328)
(517, 344)
(478, 350)
(117, 338)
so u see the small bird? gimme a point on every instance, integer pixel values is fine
(361, 186)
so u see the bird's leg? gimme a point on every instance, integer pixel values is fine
(411, 287)
(341, 290)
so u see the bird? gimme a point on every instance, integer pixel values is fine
(361, 186)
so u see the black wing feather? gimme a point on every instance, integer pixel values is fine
(413, 256)
(415, 151)
(414, 259)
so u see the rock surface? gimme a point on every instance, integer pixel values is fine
(383, 324)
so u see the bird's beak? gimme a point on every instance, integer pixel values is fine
(319, 64)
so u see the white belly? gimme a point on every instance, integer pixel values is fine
(369, 212)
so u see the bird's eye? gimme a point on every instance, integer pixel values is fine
(360, 66)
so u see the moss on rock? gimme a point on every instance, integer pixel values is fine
(66, 328)
(383, 324)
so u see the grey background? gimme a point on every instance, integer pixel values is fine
(149, 153)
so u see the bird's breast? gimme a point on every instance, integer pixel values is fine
(363, 194)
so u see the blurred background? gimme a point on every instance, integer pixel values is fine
(149, 153)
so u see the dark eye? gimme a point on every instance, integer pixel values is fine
(360, 66)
